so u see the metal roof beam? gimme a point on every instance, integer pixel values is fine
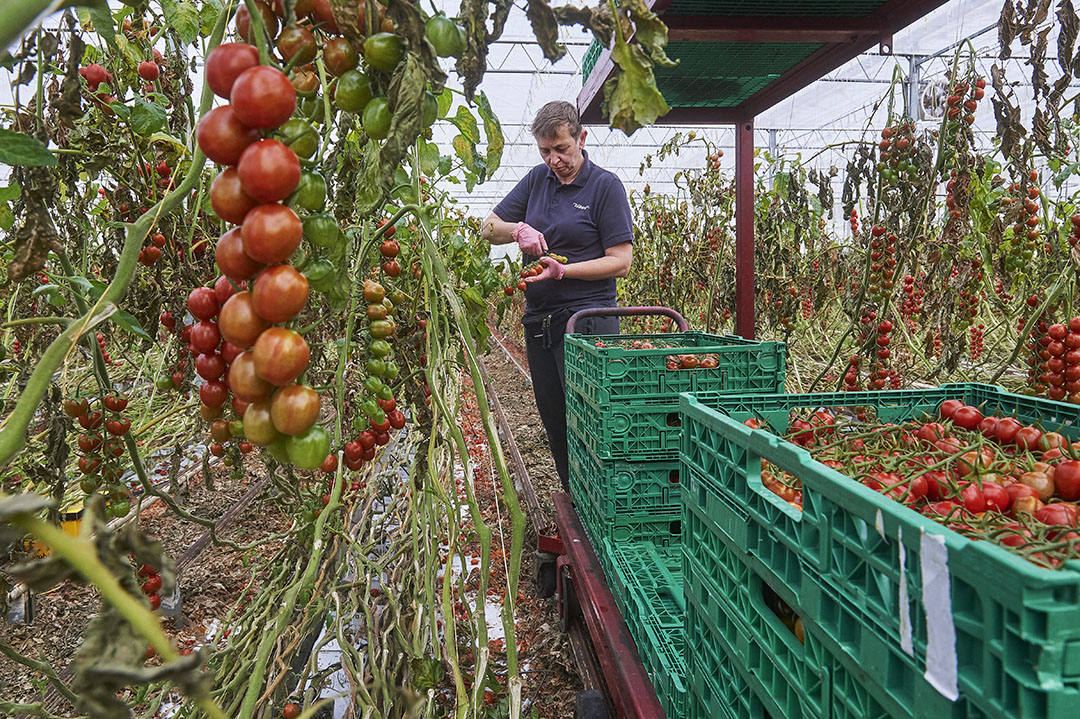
(728, 28)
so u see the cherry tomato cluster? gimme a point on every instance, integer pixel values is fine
(532, 270)
(379, 406)
(967, 300)
(389, 249)
(880, 375)
(960, 104)
(1055, 360)
(151, 252)
(882, 262)
(1025, 196)
(151, 585)
(912, 305)
(897, 154)
(1074, 236)
(100, 453)
(674, 362)
(104, 352)
(988, 477)
(854, 222)
(975, 342)
(239, 330)
(714, 160)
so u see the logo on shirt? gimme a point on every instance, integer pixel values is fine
(581, 207)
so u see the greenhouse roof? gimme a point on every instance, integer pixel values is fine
(738, 58)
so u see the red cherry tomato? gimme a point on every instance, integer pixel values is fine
(948, 408)
(967, 417)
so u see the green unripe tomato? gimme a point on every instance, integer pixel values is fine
(376, 367)
(377, 118)
(310, 194)
(278, 450)
(383, 51)
(301, 137)
(352, 91)
(308, 449)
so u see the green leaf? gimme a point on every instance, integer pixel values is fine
(445, 165)
(494, 133)
(428, 673)
(147, 118)
(208, 15)
(649, 31)
(127, 50)
(103, 26)
(11, 192)
(466, 123)
(167, 138)
(446, 99)
(19, 149)
(7, 219)
(44, 289)
(631, 98)
(127, 322)
(465, 150)
(429, 157)
(184, 17)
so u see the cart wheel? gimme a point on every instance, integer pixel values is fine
(545, 574)
(568, 602)
(590, 704)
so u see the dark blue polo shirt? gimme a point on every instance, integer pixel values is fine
(580, 220)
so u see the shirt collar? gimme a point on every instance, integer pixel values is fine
(582, 176)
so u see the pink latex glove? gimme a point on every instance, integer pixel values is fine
(529, 240)
(553, 270)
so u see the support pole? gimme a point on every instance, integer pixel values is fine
(744, 229)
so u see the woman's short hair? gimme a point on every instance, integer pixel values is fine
(553, 116)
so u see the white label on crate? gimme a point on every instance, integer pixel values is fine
(905, 610)
(879, 524)
(941, 670)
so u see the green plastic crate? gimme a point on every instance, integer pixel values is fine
(715, 687)
(647, 583)
(629, 489)
(645, 430)
(799, 679)
(647, 580)
(664, 530)
(1016, 626)
(607, 375)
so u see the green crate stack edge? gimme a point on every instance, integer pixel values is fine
(624, 403)
(852, 566)
(622, 412)
(646, 581)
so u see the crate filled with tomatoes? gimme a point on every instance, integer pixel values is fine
(617, 368)
(623, 391)
(929, 537)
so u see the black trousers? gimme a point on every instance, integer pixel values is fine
(544, 348)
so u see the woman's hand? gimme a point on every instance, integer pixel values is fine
(530, 240)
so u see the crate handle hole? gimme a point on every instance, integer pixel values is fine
(673, 476)
(673, 420)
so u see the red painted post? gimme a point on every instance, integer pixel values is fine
(744, 229)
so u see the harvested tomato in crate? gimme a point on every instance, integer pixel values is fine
(935, 538)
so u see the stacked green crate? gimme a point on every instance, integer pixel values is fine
(872, 583)
(622, 406)
(647, 583)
